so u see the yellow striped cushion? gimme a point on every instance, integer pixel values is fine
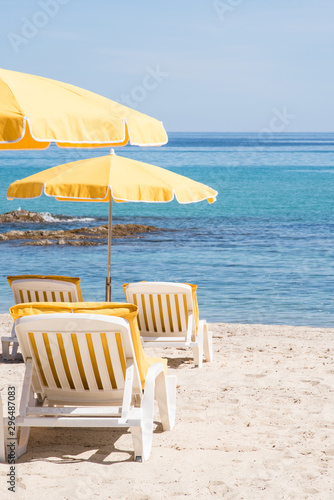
(69, 279)
(195, 303)
(126, 311)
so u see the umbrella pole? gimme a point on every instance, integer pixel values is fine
(108, 278)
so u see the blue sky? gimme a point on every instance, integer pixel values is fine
(197, 65)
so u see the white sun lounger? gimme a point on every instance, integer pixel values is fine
(41, 289)
(81, 371)
(166, 317)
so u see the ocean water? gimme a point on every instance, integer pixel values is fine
(263, 253)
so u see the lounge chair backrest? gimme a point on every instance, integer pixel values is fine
(78, 357)
(164, 308)
(44, 290)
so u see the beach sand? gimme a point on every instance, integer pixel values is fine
(256, 423)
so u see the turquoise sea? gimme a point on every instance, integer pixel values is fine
(263, 253)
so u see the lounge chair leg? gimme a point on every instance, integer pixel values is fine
(163, 389)
(14, 348)
(22, 441)
(6, 341)
(142, 438)
(197, 348)
(165, 395)
(5, 349)
(207, 343)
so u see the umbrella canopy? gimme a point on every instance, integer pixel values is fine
(36, 111)
(108, 178)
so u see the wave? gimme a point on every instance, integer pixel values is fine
(47, 217)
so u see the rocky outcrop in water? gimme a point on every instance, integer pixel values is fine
(81, 236)
(21, 216)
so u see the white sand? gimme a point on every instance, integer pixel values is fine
(257, 423)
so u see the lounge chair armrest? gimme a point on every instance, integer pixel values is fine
(152, 373)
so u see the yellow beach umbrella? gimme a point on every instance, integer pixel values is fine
(108, 178)
(36, 111)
